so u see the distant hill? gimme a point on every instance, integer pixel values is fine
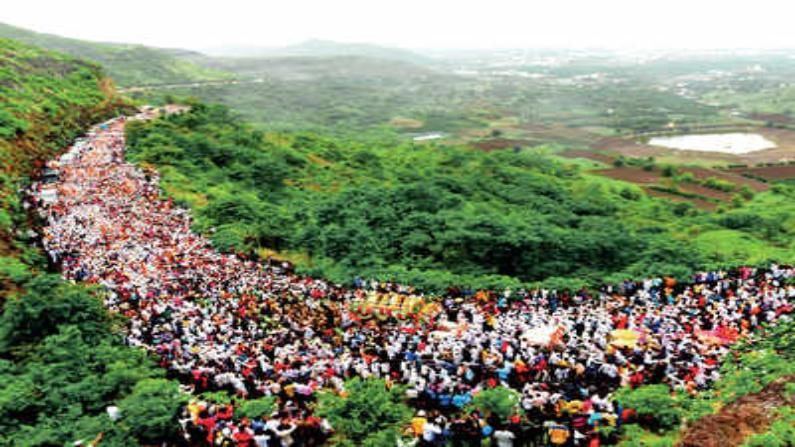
(127, 64)
(309, 67)
(322, 48)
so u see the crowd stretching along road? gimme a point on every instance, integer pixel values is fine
(221, 321)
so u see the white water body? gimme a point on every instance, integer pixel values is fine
(730, 143)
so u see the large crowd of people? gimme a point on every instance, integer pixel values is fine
(222, 321)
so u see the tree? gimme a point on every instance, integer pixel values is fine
(369, 414)
(653, 403)
(256, 408)
(48, 303)
(501, 401)
(151, 411)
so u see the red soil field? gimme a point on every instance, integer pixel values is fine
(769, 172)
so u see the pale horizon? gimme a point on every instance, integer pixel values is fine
(414, 24)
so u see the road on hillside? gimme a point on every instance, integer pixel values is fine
(148, 87)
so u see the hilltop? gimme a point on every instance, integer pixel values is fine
(321, 48)
(127, 64)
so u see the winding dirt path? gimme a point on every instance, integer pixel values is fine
(735, 422)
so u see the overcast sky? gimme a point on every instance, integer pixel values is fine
(417, 23)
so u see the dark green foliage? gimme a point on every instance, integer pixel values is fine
(669, 171)
(151, 410)
(370, 414)
(683, 208)
(653, 403)
(64, 366)
(61, 361)
(431, 215)
(45, 96)
(500, 401)
(47, 304)
(256, 408)
(718, 184)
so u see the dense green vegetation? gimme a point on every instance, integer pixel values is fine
(432, 215)
(62, 364)
(344, 94)
(370, 414)
(62, 361)
(126, 64)
(353, 94)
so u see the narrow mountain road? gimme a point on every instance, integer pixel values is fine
(149, 87)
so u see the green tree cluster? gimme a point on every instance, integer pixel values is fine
(369, 414)
(430, 214)
(62, 365)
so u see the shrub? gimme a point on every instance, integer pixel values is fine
(653, 403)
(682, 208)
(669, 171)
(256, 408)
(685, 177)
(13, 270)
(718, 184)
(152, 410)
(500, 401)
(368, 415)
(630, 193)
(780, 434)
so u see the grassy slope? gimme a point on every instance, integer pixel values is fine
(126, 64)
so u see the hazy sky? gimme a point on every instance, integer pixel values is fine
(417, 23)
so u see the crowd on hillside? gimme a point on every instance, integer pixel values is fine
(224, 322)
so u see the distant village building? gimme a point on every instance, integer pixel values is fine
(428, 136)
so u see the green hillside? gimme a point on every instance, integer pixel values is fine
(62, 361)
(127, 64)
(46, 98)
(439, 215)
(340, 94)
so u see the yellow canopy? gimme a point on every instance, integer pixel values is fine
(624, 338)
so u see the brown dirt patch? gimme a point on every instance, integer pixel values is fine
(778, 118)
(698, 203)
(768, 172)
(701, 190)
(729, 176)
(631, 174)
(735, 422)
(601, 157)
